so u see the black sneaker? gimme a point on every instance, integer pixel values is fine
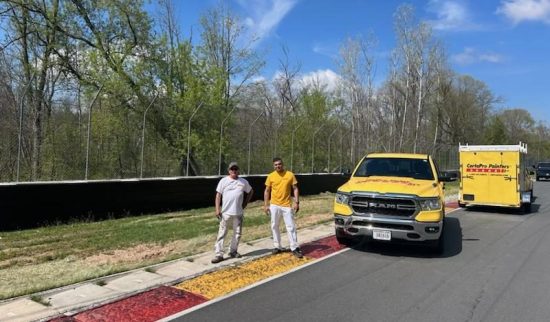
(217, 259)
(276, 251)
(298, 253)
(235, 255)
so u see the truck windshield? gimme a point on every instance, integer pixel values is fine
(545, 165)
(395, 167)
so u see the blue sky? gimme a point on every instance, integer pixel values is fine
(504, 43)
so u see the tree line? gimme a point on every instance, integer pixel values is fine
(106, 89)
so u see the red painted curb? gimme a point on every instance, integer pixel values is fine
(148, 306)
(322, 247)
(452, 204)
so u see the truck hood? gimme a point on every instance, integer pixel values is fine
(394, 185)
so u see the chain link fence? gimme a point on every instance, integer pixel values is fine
(93, 142)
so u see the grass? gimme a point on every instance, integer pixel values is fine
(40, 259)
(451, 190)
(40, 299)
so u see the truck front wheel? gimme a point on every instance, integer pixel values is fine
(438, 246)
(343, 238)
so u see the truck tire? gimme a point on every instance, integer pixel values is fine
(526, 208)
(438, 246)
(461, 205)
(343, 238)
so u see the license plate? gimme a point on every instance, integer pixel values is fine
(381, 234)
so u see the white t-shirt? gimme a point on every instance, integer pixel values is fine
(232, 191)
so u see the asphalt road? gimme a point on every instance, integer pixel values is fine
(496, 267)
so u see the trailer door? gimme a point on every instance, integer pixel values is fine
(504, 182)
(489, 177)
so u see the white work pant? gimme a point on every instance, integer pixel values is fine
(225, 221)
(288, 216)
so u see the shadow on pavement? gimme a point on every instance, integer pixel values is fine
(258, 252)
(504, 210)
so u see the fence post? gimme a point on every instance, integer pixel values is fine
(313, 147)
(20, 137)
(250, 140)
(221, 139)
(90, 132)
(329, 138)
(143, 135)
(292, 144)
(341, 148)
(189, 138)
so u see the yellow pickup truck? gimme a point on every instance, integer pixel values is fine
(392, 197)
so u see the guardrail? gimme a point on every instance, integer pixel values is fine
(32, 204)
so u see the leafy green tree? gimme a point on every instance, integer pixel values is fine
(496, 132)
(518, 122)
(230, 56)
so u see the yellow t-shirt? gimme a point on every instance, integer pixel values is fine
(281, 187)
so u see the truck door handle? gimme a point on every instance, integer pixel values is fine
(509, 178)
(468, 177)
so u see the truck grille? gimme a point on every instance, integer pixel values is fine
(382, 225)
(383, 206)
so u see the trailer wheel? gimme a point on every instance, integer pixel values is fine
(526, 208)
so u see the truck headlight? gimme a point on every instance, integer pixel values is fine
(342, 198)
(430, 204)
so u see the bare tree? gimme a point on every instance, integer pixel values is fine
(403, 20)
(357, 70)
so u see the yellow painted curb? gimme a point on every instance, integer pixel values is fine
(229, 279)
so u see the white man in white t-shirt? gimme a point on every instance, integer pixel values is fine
(232, 196)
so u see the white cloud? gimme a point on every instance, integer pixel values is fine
(265, 16)
(471, 56)
(525, 10)
(324, 50)
(451, 16)
(258, 79)
(326, 78)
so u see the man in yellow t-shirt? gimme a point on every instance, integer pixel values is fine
(278, 187)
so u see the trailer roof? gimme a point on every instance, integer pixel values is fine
(517, 147)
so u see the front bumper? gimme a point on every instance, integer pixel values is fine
(401, 229)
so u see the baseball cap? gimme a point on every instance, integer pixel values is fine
(233, 165)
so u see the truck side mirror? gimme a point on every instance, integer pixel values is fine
(447, 176)
(346, 173)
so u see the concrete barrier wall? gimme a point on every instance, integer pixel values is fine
(26, 205)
